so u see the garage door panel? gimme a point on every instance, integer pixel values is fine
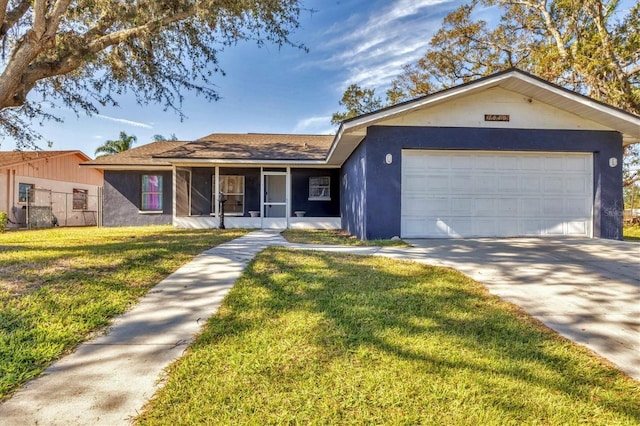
(437, 183)
(530, 163)
(529, 184)
(575, 185)
(483, 184)
(554, 227)
(577, 207)
(509, 163)
(427, 226)
(530, 207)
(576, 164)
(510, 183)
(554, 164)
(484, 207)
(553, 185)
(531, 227)
(508, 206)
(461, 207)
(475, 194)
(461, 163)
(577, 228)
(484, 163)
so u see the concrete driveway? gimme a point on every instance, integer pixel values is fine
(586, 289)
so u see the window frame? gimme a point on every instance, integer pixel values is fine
(21, 199)
(85, 199)
(159, 193)
(235, 193)
(315, 183)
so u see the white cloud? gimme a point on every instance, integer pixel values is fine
(125, 121)
(315, 125)
(374, 48)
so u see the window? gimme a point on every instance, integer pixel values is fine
(25, 191)
(320, 188)
(79, 199)
(233, 188)
(151, 192)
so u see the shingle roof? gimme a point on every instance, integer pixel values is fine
(253, 147)
(9, 158)
(139, 156)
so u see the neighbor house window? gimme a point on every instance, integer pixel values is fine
(80, 199)
(233, 188)
(320, 188)
(152, 192)
(25, 190)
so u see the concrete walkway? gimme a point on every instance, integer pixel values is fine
(588, 290)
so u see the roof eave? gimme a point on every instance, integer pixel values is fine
(84, 156)
(179, 160)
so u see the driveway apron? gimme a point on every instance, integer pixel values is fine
(588, 290)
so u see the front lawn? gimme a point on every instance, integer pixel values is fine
(325, 338)
(631, 233)
(59, 285)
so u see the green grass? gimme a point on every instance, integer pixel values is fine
(57, 286)
(332, 237)
(324, 338)
(631, 233)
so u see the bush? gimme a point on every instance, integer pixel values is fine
(4, 217)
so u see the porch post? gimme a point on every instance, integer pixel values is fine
(216, 192)
(288, 196)
(262, 211)
(174, 197)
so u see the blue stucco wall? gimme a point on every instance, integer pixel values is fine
(300, 193)
(373, 211)
(122, 199)
(353, 203)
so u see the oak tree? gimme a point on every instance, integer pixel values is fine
(83, 54)
(590, 46)
(357, 101)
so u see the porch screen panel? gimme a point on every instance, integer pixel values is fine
(233, 188)
(183, 191)
(151, 192)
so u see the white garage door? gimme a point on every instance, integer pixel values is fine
(448, 194)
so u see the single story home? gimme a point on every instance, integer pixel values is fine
(503, 156)
(45, 188)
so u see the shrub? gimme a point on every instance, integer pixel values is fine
(4, 217)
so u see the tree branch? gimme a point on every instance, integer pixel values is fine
(46, 69)
(9, 19)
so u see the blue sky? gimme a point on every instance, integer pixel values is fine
(272, 90)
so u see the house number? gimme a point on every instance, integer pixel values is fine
(496, 117)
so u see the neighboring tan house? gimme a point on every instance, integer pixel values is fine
(503, 156)
(45, 188)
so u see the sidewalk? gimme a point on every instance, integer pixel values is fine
(107, 380)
